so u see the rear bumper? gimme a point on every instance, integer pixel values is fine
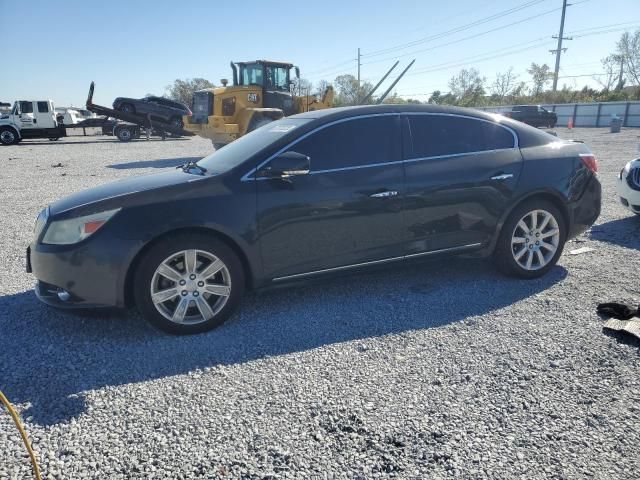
(585, 211)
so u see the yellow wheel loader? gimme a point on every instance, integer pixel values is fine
(261, 93)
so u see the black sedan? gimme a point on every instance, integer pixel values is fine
(315, 194)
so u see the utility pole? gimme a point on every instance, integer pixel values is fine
(559, 50)
(359, 67)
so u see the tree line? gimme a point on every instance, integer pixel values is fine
(619, 81)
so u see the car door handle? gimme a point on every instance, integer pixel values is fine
(385, 194)
(503, 176)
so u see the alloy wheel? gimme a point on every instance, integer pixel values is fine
(535, 240)
(190, 287)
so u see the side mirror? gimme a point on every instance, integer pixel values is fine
(287, 164)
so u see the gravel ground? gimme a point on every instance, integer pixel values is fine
(446, 370)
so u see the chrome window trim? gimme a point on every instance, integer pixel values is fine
(376, 262)
(248, 178)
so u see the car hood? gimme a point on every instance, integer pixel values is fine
(111, 192)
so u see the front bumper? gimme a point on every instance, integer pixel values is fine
(629, 198)
(89, 274)
(215, 130)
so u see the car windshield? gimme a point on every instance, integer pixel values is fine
(245, 147)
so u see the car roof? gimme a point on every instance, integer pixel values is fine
(345, 112)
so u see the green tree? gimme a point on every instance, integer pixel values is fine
(540, 76)
(348, 91)
(467, 87)
(182, 90)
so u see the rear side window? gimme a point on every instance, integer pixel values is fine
(26, 107)
(357, 142)
(437, 135)
(43, 107)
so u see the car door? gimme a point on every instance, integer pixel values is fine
(45, 117)
(461, 175)
(347, 210)
(26, 117)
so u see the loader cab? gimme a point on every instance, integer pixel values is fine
(274, 79)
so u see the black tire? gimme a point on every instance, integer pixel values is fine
(127, 108)
(146, 278)
(176, 122)
(124, 134)
(257, 122)
(505, 251)
(218, 146)
(9, 136)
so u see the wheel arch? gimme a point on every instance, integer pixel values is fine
(230, 242)
(11, 127)
(552, 196)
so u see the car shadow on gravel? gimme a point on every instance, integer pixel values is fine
(624, 232)
(162, 163)
(49, 359)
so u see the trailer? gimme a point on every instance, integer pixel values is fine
(132, 124)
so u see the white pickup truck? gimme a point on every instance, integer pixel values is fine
(30, 119)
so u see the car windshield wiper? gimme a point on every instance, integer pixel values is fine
(190, 165)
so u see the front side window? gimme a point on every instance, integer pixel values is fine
(437, 135)
(277, 78)
(43, 107)
(26, 107)
(252, 74)
(356, 142)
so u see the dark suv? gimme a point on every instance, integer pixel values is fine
(534, 115)
(316, 194)
(159, 107)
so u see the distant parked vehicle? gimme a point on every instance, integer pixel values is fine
(30, 119)
(158, 107)
(629, 186)
(534, 115)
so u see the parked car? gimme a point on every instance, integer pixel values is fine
(629, 186)
(533, 115)
(316, 194)
(159, 107)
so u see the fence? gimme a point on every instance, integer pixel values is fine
(588, 114)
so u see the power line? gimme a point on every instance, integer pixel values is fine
(475, 35)
(455, 30)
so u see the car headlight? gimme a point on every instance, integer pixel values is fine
(41, 221)
(73, 230)
(625, 171)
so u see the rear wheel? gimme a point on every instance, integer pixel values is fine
(189, 284)
(176, 122)
(124, 134)
(127, 108)
(8, 136)
(531, 240)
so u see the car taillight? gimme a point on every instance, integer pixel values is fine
(589, 161)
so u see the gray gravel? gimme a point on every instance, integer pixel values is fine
(440, 371)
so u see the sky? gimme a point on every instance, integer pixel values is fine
(133, 48)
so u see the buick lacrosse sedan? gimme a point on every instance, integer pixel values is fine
(314, 194)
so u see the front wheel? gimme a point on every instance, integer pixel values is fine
(127, 108)
(531, 240)
(8, 136)
(188, 284)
